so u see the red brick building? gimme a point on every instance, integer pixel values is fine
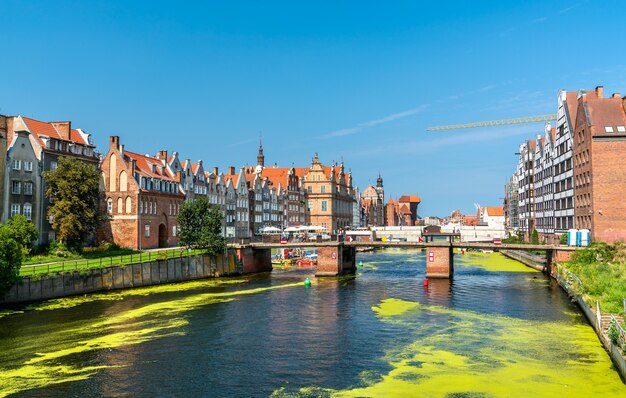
(599, 171)
(142, 198)
(402, 211)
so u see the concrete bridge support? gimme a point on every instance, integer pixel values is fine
(439, 261)
(556, 256)
(254, 259)
(336, 260)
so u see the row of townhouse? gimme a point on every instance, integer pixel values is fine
(573, 176)
(142, 193)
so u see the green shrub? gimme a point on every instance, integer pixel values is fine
(613, 332)
(563, 239)
(161, 256)
(60, 250)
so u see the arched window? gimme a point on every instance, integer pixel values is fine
(113, 173)
(120, 204)
(109, 206)
(128, 205)
(123, 181)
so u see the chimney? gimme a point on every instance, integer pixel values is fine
(616, 95)
(162, 155)
(231, 169)
(63, 128)
(122, 150)
(114, 141)
(600, 91)
(133, 166)
(215, 170)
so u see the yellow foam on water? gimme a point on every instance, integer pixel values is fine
(124, 328)
(494, 262)
(485, 356)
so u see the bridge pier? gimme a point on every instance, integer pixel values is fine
(439, 260)
(254, 259)
(556, 256)
(336, 260)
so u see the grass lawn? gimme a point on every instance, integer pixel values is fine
(92, 260)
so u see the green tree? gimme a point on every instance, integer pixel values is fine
(11, 257)
(534, 239)
(74, 186)
(200, 226)
(22, 230)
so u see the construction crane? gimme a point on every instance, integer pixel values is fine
(493, 123)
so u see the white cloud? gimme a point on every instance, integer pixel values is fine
(376, 122)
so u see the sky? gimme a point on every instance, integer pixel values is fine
(354, 81)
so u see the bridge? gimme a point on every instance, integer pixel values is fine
(339, 258)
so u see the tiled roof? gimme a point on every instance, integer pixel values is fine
(495, 211)
(144, 168)
(606, 112)
(194, 167)
(233, 177)
(409, 198)
(277, 175)
(39, 128)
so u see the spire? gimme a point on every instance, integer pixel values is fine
(260, 159)
(379, 181)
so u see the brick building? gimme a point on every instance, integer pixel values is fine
(34, 147)
(403, 211)
(142, 197)
(599, 151)
(373, 203)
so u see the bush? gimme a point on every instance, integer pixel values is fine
(613, 332)
(60, 250)
(563, 239)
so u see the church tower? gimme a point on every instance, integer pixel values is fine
(260, 159)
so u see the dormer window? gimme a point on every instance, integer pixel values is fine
(608, 129)
(621, 129)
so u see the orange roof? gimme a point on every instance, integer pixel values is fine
(232, 177)
(39, 128)
(276, 175)
(495, 211)
(606, 112)
(143, 166)
(409, 199)
(194, 167)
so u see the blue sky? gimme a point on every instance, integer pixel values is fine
(358, 81)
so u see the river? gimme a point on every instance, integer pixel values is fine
(497, 329)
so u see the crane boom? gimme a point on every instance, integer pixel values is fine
(492, 123)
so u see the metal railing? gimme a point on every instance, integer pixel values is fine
(127, 259)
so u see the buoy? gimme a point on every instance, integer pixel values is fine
(425, 282)
(360, 263)
(307, 282)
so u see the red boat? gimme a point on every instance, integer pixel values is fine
(305, 262)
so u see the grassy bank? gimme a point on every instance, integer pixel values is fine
(601, 269)
(88, 260)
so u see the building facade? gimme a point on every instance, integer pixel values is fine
(142, 198)
(599, 174)
(525, 176)
(34, 147)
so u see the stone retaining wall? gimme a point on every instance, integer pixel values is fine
(121, 277)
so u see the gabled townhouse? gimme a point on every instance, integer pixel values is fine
(330, 195)
(544, 185)
(242, 209)
(290, 194)
(33, 147)
(525, 175)
(142, 197)
(563, 165)
(599, 150)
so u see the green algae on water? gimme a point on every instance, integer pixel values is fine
(126, 327)
(467, 354)
(493, 262)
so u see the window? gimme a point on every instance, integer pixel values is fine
(28, 165)
(28, 211)
(53, 165)
(323, 189)
(17, 164)
(147, 230)
(174, 230)
(324, 205)
(109, 206)
(15, 209)
(621, 129)
(16, 187)
(608, 129)
(28, 188)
